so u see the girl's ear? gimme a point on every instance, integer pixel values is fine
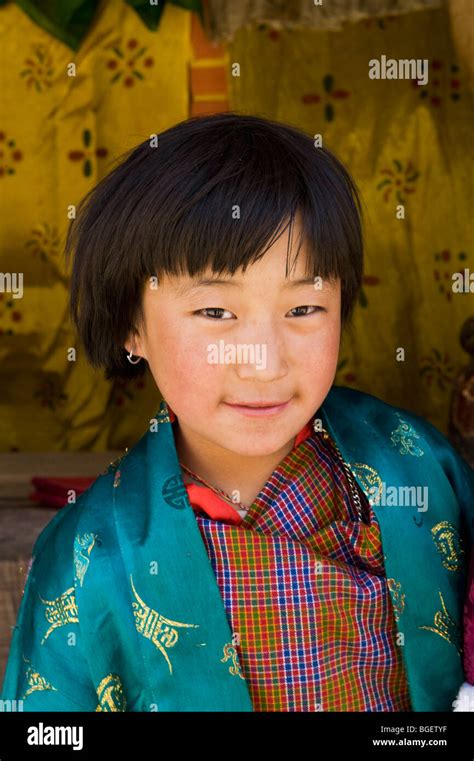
(134, 344)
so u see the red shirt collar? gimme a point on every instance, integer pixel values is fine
(201, 497)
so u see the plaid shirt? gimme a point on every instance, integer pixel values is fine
(303, 584)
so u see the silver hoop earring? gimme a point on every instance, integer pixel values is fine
(133, 361)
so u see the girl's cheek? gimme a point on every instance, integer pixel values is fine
(190, 363)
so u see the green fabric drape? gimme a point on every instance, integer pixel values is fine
(70, 20)
(162, 640)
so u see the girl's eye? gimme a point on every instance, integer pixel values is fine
(212, 309)
(220, 311)
(308, 306)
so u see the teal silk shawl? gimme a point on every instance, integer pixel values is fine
(121, 610)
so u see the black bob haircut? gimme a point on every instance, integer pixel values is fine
(168, 208)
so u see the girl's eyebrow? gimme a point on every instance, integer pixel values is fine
(183, 290)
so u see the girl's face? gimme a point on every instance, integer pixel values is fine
(257, 337)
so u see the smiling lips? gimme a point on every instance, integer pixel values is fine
(258, 409)
(255, 404)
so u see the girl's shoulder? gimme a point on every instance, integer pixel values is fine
(382, 416)
(400, 431)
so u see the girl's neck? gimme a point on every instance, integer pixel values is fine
(230, 473)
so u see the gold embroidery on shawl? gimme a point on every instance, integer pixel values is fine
(371, 483)
(445, 626)
(154, 626)
(61, 611)
(83, 546)
(449, 545)
(112, 467)
(398, 597)
(111, 694)
(163, 415)
(36, 682)
(231, 652)
(402, 438)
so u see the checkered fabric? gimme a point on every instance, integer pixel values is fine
(303, 584)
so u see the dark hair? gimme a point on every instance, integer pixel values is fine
(168, 209)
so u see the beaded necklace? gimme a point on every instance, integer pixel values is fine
(226, 497)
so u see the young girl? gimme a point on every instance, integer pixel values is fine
(272, 542)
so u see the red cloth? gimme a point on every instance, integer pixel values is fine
(54, 491)
(210, 502)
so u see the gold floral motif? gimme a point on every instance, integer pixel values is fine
(402, 438)
(61, 611)
(398, 597)
(154, 626)
(36, 682)
(231, 652)
(371, 483)
(111, 694)
(449, 545)
(445, 626)
(83, 546)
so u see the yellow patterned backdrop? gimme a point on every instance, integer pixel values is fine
(403, 143)
(60, 135)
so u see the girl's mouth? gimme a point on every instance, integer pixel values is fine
(259, 411)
